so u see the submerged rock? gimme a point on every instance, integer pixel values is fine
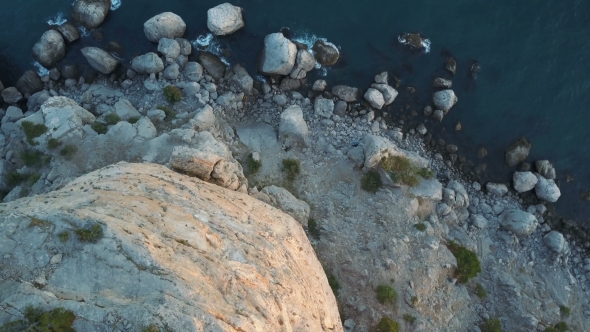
(414, 40)
(224, 19)
(278, 55)
(100, 59)
(91, 13)
(440, 82)
(451, 65)
(517, 152)
(546, 169)
(69, 32)
(165, 25)
(49, 49)
(325, 53)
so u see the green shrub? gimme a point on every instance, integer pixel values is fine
(36, 222)
(64, 236)
(480, 291)
(32, 314)
(409, 318)
(371, 181)
(253, 165)
(396, 164)
(133, 119)
(68, 151)
(420, 226)
(112, 118)
(99, 127)
(386, 294)
(425, 173)
(292, 168)
(33, 131)
(172, 94)
(333, 284)
(91, 234)
(34, 178)
(387, 325)
(151, 328)
(53, 143)
(565, 311)
(468, 265)
(561, 327)
(170, 114)
(551, 329)
(31, 157)
(56, 320)
(13, 178)
(312, 226)
(402, 171)
(492, 325)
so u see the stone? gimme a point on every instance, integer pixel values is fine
(340, 108)
(428, 189)
(185, 46)
(125, 110)
(148, 63)
(451, 65)
(461, 195)
(377, 147)
(382, 78)
(49, 49)
(282, 199)
(498, 189)
(325, 53)
(438, 115)
(304, 62)
(156, 115)
(281, 99)
(388, 92)
(555, 241)
(293, 129)
(11, 95)
(289, 84)
(440, 82)
(520, 223)
(323, 107)
(204, 119)
(171, 72)
(100, 59)
(374, 98)
(12, 114)
(444, 99)
(479, 221)
(190, 89)
(63, 117)
(319, 85)
(524, 181)
(242, 79)
(545, 168)
(164, 25)
(517, 152)
(212, 64)
(278, 55)
(37, 99)
(346, 93)
(145, 129)
(91, 13)
(69, 32)
(169, 47)
(29, 83)
(224, 19)
(547, 190)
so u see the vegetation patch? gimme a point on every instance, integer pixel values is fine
(312, 226)
(480, 291)
(13, 178)
(402, 171)
(64, 236)
(31, 157)
(53, 143)
(386, 324)
(371, 181)
(420, 226)
(170, 114)
(92, 234)
(56, 320)
(99, 127)
(492, 325)
(292, 168)
(333, 284)
(468, 265)
(409, 318)
(172, 94)
(34, 178)
(112, 118)
(151, 328)
(565, 311)
(33, 131)
(36, 222)
(133, 119)
(386, 294)
(68, 151)
(253, 165)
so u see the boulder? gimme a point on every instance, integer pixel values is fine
(545, 168)
(498, 189)
(185, 46)
(304, 63)
(323, 107)
(164, 25)
(547, 190)
(479, 221)
(374, 98)
(517, 152)
(69, 32)
(461, 196)
(520, 223)
(555, 241)
(100, 59)
(340, 108)
(63, 118)
(37, 99)
(212, 64)
(377, 147)
(242, 79)
(91, 13)
(193, 71)
(171, 72)
(49, 49)
(382, 78)
(346, 93)
(11, 95)
(145, 129)
(29, 83)
(125, 110)
(428, 189)
(451, 65)
(325, 53)
(12, 114)
(148, 63)
(524, 181)
(319, 85)
(204, 119)
(440, 82)
(169, 48)
(282, 199)
(278, 55)
(293, 128)
(224, 19)
(444, 99)
(289, 84)
(388, 92)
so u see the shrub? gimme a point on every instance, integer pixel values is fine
(492, 325)
(402, 171)
(91, 234)
(420, 226)
(480, 291)
(34, 178)
(551, 329)
(312, 226)
(292, 168)
(409, 318)
(387, 325)
(68, 151)
(561, 327)
(31, 157)
(468, 265)
(53, 143)
(333, 284)
(13, 178)
(170, 114)
(112, 118)
(56, 320)
(33, 131)
(386, 294)
(133, 120)
(371, 181)
(64, 236)
(36, 222)
(172, 94)
(565, 311)
(151, 328)
(99, 127)
(253, 165)
(396, 164)
(425, 173)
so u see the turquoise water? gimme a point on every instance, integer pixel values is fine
(533, 80)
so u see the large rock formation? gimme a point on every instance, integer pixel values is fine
(49, 49)
(224, 19)
(278, 55)
(91, 13)
(100, 59)
(165, 25)
(169, 250)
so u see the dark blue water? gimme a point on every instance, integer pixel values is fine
(534, 60)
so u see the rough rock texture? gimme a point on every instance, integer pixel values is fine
(444, 99)
(224, 19)
(517, 152)
(375, 98)
(524, 181)
(49, 49)
(91, 13)
(304, 63)
(377, 147)
(147, 64)
(169, 47)
(177, 252)
(498, 189)
(518, 222)
(278, 55)
(292, 128)
(555, 241)
(29, 83)
(212, 64)
(323, 107)
(100, 59)
(11, 95)
(325, 53)
(282, 199)
(346, 93)
(545, 168)
(69, 32)
(242, 79)
(547, 190)
(165, 25)
(388, 92)
(193, 71)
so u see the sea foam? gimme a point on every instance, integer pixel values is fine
(41, 71)
(57, 20)
(425, 43)
(83, 31)
(208, 43)
(115, 4)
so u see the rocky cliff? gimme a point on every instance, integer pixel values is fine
(131, 245)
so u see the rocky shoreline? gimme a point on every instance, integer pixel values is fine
(222, 117)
